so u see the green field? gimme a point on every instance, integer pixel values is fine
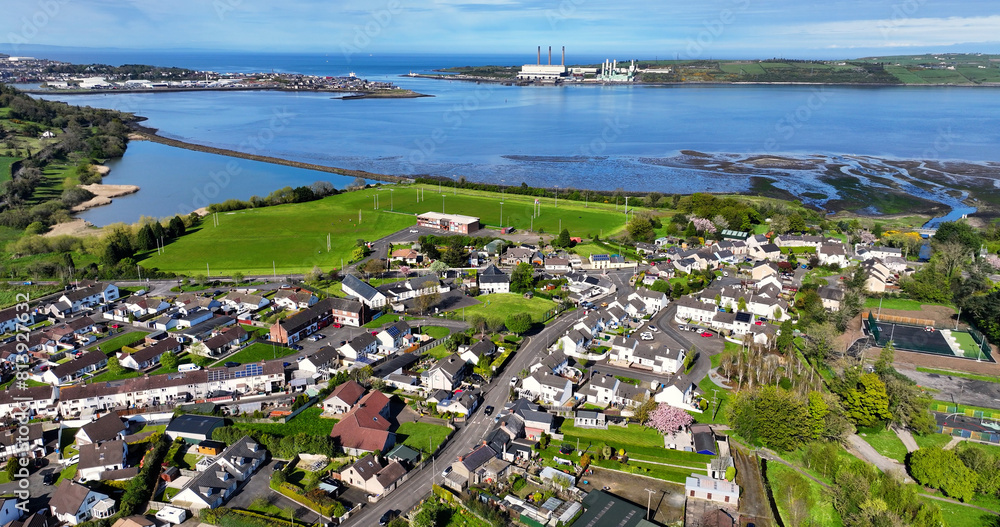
(886, 443)
(967, 344)
(721, 401)
(499, 305)
(821, 512)
(257, 352)
(307, 422)
(641, 443)
(902, 304)
(435, 332)
(115, 344)
(9, 292)
(931, 440)
(5, 166)
(422, 436)
(293, 237)
(958, 515)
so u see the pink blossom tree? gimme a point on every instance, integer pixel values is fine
(993, 260)
(668, 419)
(405, 270)
(703, 225)
(866, 237)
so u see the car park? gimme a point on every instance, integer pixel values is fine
(646, 336)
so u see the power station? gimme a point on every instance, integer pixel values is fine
(609, 72)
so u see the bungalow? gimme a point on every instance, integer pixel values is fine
(95, 459)
(142, 306)
(493, 280)
(646, 248)
(372, 476)
(415, 287)
(108, 428)
(608, 261)
(364, 292)
(407, 256)
(395, 336)
(211, 487)
(193, 317)
(365, 428)
(68, 371)
(590, 419)
(557, 265)
(343, 398)
(190, 301)
(446, 374)
(794, 240)
(150, 355)
(483, 348)
(294, 299)
(548, 388)
(74, 504)
(359, 347)
(880, 253)
(228, 340)
(242, 302)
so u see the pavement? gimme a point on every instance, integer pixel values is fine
(906, 437)
(411, 492)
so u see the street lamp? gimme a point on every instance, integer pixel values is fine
(501, 216)
(390, 199)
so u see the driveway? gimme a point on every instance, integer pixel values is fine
(258, 486)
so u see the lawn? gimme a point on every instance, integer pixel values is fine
(115, 344)
(389, 318)
(438, 352)
(645, 444)
(459, 517)
(5, 165)
(293, 237)
(421, 436)
(307, 422)
(886, 443)
(821, 512)
(500, 305)
(109, 376)
(257, 352)
(950, 373)
(956, 515)
(435, 332)
(66, 449)
(902, 304)
(718, 398)
(931, 440)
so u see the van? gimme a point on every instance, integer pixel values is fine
(188, 367)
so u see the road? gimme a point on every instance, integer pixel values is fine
(412, 491)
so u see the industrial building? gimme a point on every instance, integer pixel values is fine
(448, 222)
(544, 72)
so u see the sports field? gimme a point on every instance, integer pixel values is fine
(293, 238)
(917, 338)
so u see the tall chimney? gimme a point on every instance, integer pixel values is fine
(539, 55)
(550, 55)
(564, 56)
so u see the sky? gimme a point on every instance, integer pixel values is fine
(643, 29)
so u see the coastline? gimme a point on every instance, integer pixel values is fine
(382, 94)
(151, 134)
(103, 194)
(514, 82)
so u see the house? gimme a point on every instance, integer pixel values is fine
(461, 404)
(589, 419)
(652, 300)
(193, 428)
(880, 253)
(145, 305)
(646, 248)
(547, 387)
(30, 400)
(879, 276)
(372, 476)
(464, 470)
(674, 396)
(359, 347)
(767, 251)
(135, 520)
(12, 317)
(193, 317)
(295, 299)
(557, 265)
(363, 292)
(9, 510)
(319, 315)
(325, 359)
(108, 428)
(832, 254)
(446, 374)
(704, 439)
(794, 240)
(407, 256)
(243, 302)
(230, 339)
(831, 296)
(415, 287)
(575, 341)
(82, 298)
(515, 255)
(493, 280)
(365, 428)
(690, 309)
(622, 348)
(483, 348)
(706, 488)
(395, 336)
(68, 371)
(149, 355)
(657, 358)
(95, 459)
(74, 504)
(343, 398)
(15, 443)
(533, 421)
(211, 487)
(608, 261)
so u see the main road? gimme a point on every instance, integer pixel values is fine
(409, 494)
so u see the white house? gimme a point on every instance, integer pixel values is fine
(446, 374)
(294, 299)
(359, 347)
(653, 300)
(547, 387)
(691, 309)
(364, 292)
(95, 459)
(832, 254)
(706, 488)
(214, 485)
(677, 398)
(493, 280)
(74, 504)
(394, 336)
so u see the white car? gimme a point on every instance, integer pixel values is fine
(646, 336)
(513, 381)
(447, 470)
(71, 461)
(414, 231)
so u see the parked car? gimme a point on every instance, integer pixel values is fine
(447, 470)
(279, 466)
(488, 410)
(652, 328)
(49, 478)
(387, 517)
(231, 364)
(646, 336)
(513, 381)
(707, 334)
(414, 231)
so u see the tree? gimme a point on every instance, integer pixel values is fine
(818, 410)
(144, 239)
(176, 228)
(645, 408)
(115, 367)
(373, 266)
(456, 256)
(13, 466)
(425, 302)
(867, 403)
(885, 359)
(690, 231)
(358, 254)
(640, 229)
(943, 469)
(522, 278)
(168, 360)
(518, 322)
(563, 240)
(278, 477)
(238, 277)
(653, 199)
(439, 267)
(770, 416)
(786, 338)
(958, 232)
(668, 419)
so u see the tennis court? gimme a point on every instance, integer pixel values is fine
(921, 339)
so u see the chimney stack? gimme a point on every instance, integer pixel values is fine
(539, 55)
(564, 56)
(550, 55)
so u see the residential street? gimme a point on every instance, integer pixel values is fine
(413, 491)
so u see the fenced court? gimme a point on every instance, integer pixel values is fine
(926, 338)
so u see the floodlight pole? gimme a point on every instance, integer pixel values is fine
(649, 501)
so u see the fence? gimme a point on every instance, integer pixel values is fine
(899, 320)
(968, 434)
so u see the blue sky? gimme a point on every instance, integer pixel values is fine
(667, 29)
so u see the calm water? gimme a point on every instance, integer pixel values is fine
(571, 136)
